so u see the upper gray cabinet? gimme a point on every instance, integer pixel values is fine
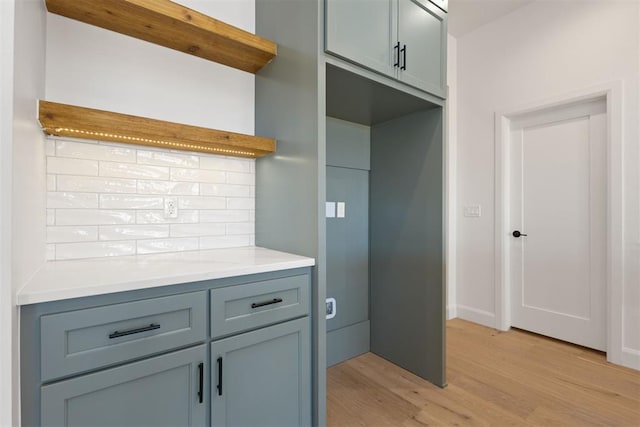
(403, 39)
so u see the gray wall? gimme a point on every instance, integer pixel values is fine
(348, 161)
(290, 184)
(406, 221)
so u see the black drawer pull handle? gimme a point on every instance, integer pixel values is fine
(219, 386)
(118, 334)
(201, 382)
(404, 57)
(396, 54)
(262, 304)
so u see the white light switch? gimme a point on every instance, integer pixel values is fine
(330, 209)
(473, 211)
(340, 209)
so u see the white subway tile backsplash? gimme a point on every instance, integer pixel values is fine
(201, 229)
(224, 215)
(167, 245)
(241, 178)
(128, 170)
(71, 234)
(93, 151)
(228, 164)
(158, 217)
(107, 199)
(128, 232)
(240, 228)
(241, 203)
(217, 242)
(61, 200)
(64, 166)
(168, 187)
(165, 158)
(201, 202)
(50, 147)
(197, 175)
(226, 190)
(51, 252)
(51, 217)
(130, 201)
(95, 184)
(94, 249)
(93, 217)
(51, 183)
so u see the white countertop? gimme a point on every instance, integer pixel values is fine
(58, 280)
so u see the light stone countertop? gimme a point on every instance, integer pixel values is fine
(58, 280)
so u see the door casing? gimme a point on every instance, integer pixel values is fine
(612, 93)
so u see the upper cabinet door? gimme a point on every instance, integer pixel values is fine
(363, 31)
(422, 31)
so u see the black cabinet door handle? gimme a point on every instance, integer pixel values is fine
(517, 233)
(396, 54)
(219, 386)
(118, 334)
(201, 382)
(404, 57)
(263, 303)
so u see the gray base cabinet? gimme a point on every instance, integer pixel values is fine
(224, 352)
(160, 391)
(261, 378)
(403, 39)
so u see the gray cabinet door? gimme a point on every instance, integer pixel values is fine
(262, 378)
(363, 31)
(422, 31)
(160, 391)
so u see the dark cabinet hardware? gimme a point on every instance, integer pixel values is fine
(517, 233)
(262, 304)
(118, 334)
(404, 57)
(201, 382)
(396, 54)
(219, 386)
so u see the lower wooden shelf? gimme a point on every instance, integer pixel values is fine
(88, 123)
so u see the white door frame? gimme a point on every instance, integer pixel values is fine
(612, 93)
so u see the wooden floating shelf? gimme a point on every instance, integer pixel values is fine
(79, 122)
(174, 26)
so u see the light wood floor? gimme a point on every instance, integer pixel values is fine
(495, 379)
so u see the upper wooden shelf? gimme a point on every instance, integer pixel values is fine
(80, 122)
(174, 26)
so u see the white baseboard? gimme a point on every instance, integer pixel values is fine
(476, 316)
(630, 358)
(452, 312)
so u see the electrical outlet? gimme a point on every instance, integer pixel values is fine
(170, 207)
(331, 308)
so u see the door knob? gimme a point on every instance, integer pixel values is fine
(517, 233)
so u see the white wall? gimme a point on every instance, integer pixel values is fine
(543, 50)
(97, 68)
(451, 155)
(7, 310)
(27, 198)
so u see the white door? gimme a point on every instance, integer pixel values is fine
(558, 178)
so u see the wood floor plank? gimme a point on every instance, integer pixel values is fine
(495, 379)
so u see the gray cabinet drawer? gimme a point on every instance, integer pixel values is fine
(81, 340)
(242, 307)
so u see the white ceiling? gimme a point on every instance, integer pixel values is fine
(467, 15)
